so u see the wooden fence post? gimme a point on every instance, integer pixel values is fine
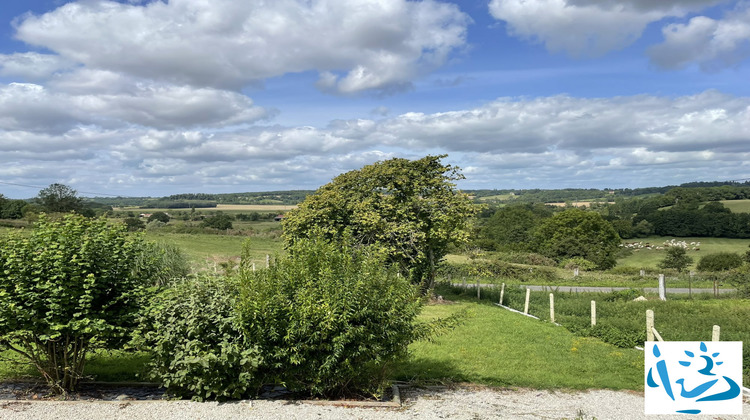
(575, 272)
(649, 325)
(643, 272)
(526, 305)
(479, 291)
(268, 260)
(464, 283)
(716, 333)
(253, 267)
(502, 293)
(593, 313)
(552, 308)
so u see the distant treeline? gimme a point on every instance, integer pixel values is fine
(204, 200)
(717, 190)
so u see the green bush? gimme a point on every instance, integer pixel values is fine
(496, 269)
(161, 263)
(197, 349)
(719, 261)
(577, 262)
(528, 258)
(69, 287)
(328, 320)
(739, 278)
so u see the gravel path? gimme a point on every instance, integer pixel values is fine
(417, 404)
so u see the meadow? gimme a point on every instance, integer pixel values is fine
(620, 321)
(737, 206)
(649, 258)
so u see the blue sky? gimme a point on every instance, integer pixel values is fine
(150, 98)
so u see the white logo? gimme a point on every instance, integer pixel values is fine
(693, 377)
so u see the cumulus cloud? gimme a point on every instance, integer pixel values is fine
(33, 107)
(587, 28)
(511, 142)
(710, 43)
(32, 66)
(355, 45)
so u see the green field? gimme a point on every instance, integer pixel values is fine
(209, 249)
(621, 322)
(737, 206)
(649, 258)
(499, 348)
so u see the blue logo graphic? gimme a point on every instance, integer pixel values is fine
(693, 380)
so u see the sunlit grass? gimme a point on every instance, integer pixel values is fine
(499, 348)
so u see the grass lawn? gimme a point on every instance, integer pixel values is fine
(649, 258)
(498, 348)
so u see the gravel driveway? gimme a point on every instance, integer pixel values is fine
(463, 403)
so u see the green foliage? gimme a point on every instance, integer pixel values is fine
(59, 198)
(676, 259)
(11, 209)
(197, 349)
(499, 269)
(719, 261)
(65, 289)
(218, 221)
(134, 224)
(328, 320)
(161, 263)
(739, 278)
(578, 233)
(409, 208)
(512, 227)
(160, 216)
(577, 262)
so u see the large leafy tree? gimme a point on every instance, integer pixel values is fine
(410, 208)
(71, 286)
(59, 198)
(578, 233)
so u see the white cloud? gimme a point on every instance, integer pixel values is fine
(587, 28)
(32, 66)
(356, 45)
(557, 141)
(712, 44)
(32, 107)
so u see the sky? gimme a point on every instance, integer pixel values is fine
(157, 97)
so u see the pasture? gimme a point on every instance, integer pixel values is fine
(737, 206)
(650, 258)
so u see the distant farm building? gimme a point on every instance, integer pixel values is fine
(279, 218)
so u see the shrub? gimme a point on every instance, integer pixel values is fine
(328, 320)
(134, 224)
(577, 262)
(160, 216)
(66, 289)
(197, 349)
(720, 261)
(676, 259)
(528, 258)
(161, 263)
(740, 279)
(220, 221)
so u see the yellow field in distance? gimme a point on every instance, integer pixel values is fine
(255, 207)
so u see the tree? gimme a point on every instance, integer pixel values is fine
(720, 261)
(160, 216)
(59, 198)
(512, 227)
(219, 221)
(578, 233)
(676, 259)
(409, 208)
(71, 286)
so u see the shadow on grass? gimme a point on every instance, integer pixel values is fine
(426, 371)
